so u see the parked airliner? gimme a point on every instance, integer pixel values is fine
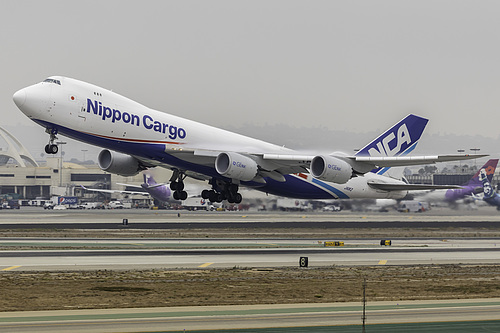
(468, 191)
(160, 192)
(135, 138)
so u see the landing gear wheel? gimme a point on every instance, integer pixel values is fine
(180, 195)
(222, 191)
(213, 196)
(237, 198)
(53, 149)
(47, 149)
(180, 186)
(183, 195)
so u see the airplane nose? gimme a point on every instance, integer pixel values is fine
(19, 97)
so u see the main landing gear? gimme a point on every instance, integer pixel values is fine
(220, 191)
(51, 147)
(227, 191)
(177, 185)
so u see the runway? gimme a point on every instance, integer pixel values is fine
(263, 240)
(469, 315)
(222, 253)
(37, 218)
(258, 248)
(255, 250)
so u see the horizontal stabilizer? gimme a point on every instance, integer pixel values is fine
(129, 185)
(409, 187)
(413, 160)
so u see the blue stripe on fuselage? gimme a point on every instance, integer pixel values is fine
(338, 193)
(296, 187)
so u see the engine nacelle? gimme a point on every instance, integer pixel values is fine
(236, 166)
(331, 169)
(120, 164)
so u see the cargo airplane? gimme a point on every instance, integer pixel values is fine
(135, 138)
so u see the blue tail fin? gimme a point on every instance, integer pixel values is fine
(399, 140)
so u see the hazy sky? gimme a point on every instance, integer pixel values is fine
(351, 65)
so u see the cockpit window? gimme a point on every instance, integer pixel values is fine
(52, 81)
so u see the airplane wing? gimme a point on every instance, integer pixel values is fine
(304, 160)
(138, 186)
(276, 165)
(146, 194)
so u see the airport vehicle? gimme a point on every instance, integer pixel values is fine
(332, 208)
(10, 204)
(287, 204)
(413, 206)
(136, 138)
(196, 203)
(66, 201)
(117, 204)
(93, 205)
(49, 205)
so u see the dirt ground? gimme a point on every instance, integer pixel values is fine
(275, 233)
(152, 288)
(22, 291)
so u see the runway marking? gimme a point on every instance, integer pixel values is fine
(382, 262)
(206, 264)
(10, 268)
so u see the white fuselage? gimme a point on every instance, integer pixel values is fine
(101, 117)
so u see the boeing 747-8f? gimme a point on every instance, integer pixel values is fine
(135, 138)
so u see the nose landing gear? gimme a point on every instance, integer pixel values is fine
(51, 147)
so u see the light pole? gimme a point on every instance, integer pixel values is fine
(60, 144)
(475, 150)
(460, 151)
(84, 150)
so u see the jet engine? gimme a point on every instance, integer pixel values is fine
(236, 166)
(331, 169)
(120, 164)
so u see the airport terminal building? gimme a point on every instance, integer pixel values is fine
(22, 177)
(56, 178)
